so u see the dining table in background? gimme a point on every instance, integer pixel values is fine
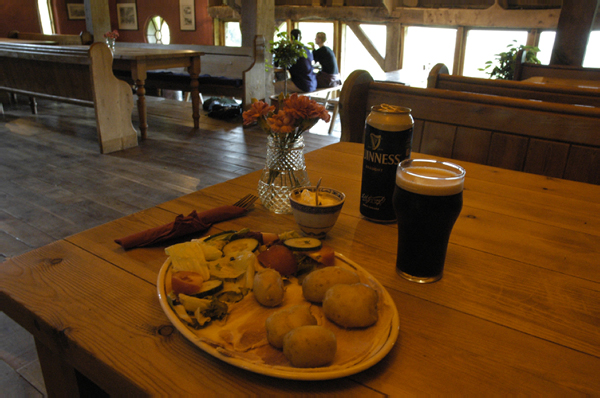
(140, 60)
(516, 313)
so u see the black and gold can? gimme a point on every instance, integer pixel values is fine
(388, 141)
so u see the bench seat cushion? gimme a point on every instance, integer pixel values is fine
(184, 78)
(181, 79)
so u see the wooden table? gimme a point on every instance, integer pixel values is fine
(517, 311)
(140, 60)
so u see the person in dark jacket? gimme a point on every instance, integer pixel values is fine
(329, 76)
(303, 78)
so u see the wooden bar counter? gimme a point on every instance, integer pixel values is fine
(516, 313)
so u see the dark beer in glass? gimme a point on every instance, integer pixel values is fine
(427, 201)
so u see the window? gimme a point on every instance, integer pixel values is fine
(46, 20)
(233, 34)
(546, 45)
(355, 55)
(592, 53)
(423, 49)
(158, 31)
(483, 45)
(310, 29)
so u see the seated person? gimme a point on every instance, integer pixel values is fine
(329, 76)
(303, 79)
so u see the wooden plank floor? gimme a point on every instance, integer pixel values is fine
(54, 183)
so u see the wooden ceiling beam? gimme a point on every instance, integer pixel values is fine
(492, 17)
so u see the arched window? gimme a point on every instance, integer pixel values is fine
(158, 31)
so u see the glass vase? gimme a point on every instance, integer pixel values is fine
(284, 170)
(111, 44)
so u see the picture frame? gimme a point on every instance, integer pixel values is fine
(75, 11)
(127, 16)
(187, 15)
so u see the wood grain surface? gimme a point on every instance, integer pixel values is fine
(517, 311)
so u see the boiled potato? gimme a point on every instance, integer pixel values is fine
(351, 306)
(318, 282)
(310, 346)
(283, 321)
(268, 287)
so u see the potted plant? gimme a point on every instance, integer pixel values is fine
(506, 61)
(286, 51)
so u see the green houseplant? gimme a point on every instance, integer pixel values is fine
(286, 51)
(505, 61)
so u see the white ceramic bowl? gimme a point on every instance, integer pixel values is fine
(315, 220)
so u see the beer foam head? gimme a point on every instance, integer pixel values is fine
(430, 177)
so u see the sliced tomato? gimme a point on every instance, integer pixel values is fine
(280, 258)
(326, 255)
(186, 282)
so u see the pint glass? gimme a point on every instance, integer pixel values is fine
(427, 201)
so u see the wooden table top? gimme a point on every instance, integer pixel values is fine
(517, 311)
(153, 53)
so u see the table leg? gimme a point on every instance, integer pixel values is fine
(141, 93)
(194, 71)
(60, 378)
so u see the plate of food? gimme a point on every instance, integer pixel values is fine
(280, 305)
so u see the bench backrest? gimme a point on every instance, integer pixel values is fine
(440, 78)
(62, 40)
(556, 140)
(77, 74)
(60, 71)
(526, 70)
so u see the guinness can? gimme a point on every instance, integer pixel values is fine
(388, 141)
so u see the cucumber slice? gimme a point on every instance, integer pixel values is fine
(224, 235)
(248, 244)
(209, 288)
(303, 244)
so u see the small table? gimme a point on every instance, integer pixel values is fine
(139, 60)
(516, 313)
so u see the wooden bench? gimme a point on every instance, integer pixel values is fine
(439, 77)
(62, 40)
(556, 140)
(78, 75)
(555, 73)
(225, 71)
(84, 38)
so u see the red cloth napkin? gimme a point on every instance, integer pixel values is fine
(194, 222)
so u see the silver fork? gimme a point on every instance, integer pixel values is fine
(246, 202)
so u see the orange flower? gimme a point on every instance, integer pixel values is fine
(282, 122)
(257, 110)
(302, 107)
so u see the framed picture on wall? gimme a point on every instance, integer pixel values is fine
(127, 14)
(75, 11)
(187, 15)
